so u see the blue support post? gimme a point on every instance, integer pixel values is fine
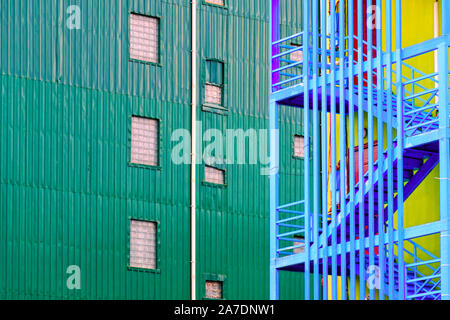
(361, 23)
(371, 148)
(400, 134)
(380, 134)
(274, 167)
(316, 143)
(343, 146)
(307, 148)
(333, 152)
(274, 155)
(324, 149)
(351, 121)
(390, 158)
(445, 9)
(444, 165)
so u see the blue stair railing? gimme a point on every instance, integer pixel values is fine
(291, 229)
(421, 114)
(422, 276)
(420, 104)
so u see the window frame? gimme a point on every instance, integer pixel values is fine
(157, 246)
(224, 6)
(160, 42)
(221, 109)
(294, 156)
(160, 143)
(215, 278)
(212, 184)
(301, 136)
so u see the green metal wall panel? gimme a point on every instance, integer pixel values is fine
(68, 193)
(67, 190)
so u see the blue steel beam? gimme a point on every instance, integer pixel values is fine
(370, 117)
(400, 135)
(445, 9)
(380, 134)
(343, 147)
(324, 119)
(444, 152)
(334, 266)
(274, 154)
(306, 16)
(361, 24)
(274, 167)
(351, 139)
(316, 143)
(389, 129)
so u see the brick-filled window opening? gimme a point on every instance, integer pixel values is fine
(301, 243)
(299, 146)
(216, 2)
(213, 94)
(296, 56)
(214, 289)
(143, 244)
(214, 82)
(144, 141)
(214, 175)
(144, 38)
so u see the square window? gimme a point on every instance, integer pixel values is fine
(214, 175)
(213, 94)
(143, 244)
(216, 2)
(144, 141)
(299, 146)
(301, 241)
(214, 289)
(144, 38)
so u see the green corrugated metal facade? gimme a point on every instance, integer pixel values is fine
(67, 190)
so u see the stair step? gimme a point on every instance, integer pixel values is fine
(412, 163)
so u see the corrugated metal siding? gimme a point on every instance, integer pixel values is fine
(68, 191)
(68, 194)
(38, 45)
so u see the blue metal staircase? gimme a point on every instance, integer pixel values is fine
(365, 226)
(418, 162)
